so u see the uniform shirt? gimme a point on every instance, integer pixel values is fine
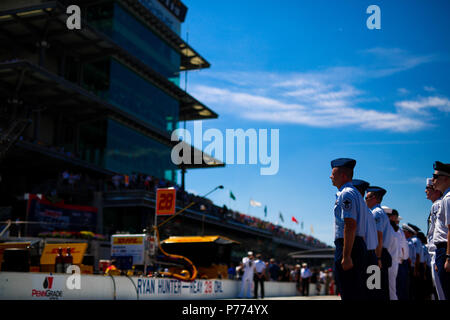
(260, 266)
(371, 236)
(249, 268)
(383, 225)
(403, 245)
(417, 248)
(431, 222)
(305, 273)
(395, 249)
(412, 251)
(442, 219)
(349, 204)
(426, 255)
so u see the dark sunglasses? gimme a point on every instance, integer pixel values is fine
(436, 176)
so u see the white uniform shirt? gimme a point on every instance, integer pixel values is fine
(395, 248)
(442, 219)
(260, 266)
(305, 273)
(433, 213)
(403, 245)
(249, 268)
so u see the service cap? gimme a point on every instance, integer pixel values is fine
(377, 190)
(406, 227)
(387, 210)
(442, 167)
(361, 185)
(343, 162)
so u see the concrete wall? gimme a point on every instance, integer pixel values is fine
(42, 286)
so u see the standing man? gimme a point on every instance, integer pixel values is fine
(274, 270)
(441, 235)
(260, 274)
(370, 238)
(434, 196)
(385, 236)
(248, 264)
(305, 274)
(418, 264)
(350, 227)
(402, 281)
(414, 257)
(426, 283)
(395, 252)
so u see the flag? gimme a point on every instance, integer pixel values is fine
(302, 225)
(232, 195)
(294, 220)
(312, 229)
(265, 211)
(254, 203)
(281, 217)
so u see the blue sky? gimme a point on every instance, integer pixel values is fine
(333, 88)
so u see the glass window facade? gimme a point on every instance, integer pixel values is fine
(120, 86)
(116, 147)
(92, 141)
(128, 151)
(129, 33)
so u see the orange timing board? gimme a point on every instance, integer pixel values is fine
(165, 201)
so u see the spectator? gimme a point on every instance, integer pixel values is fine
(296, 278)
(306, 277)
(284, 273)
(315, 279)
(260, 268)
(274, 270)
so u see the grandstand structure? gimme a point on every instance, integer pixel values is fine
(102, 102)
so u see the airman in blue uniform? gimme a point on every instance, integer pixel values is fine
(416, 255)
(385, 235)
(409, 233)
(350, 228)
(370, 237)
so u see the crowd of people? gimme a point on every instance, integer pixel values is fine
(254, 270)
(150, 183)
(375, 258)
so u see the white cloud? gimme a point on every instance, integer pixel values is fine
(325, 98)
(424, 103)
(326, 110)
